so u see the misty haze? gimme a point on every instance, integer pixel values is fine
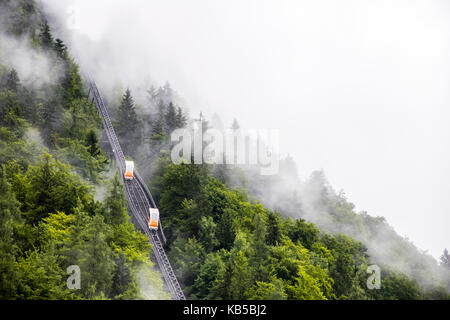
(101, 103)
(357, 89)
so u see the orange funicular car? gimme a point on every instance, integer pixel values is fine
(129, 170)
(153, 219)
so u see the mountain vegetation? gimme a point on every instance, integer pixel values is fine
(51, 162)
(62, 203)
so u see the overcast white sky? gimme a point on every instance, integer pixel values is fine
(358, 88)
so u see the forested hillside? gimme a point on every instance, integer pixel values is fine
(50, 216)
(226, 245)
(62, 202)
(315, 200)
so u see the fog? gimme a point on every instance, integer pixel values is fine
(35, 69)
(359, 89)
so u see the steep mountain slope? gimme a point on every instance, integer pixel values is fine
(50, 214)
(62, 204)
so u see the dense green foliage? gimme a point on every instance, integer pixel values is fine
(316, 201)
(223, 244)
(49, 155)
(52, 221)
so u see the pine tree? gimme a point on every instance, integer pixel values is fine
(160, 95)
(274, 229)
(445, 259)
(46, 36)
(158, 126)
(168, 92)
(181, 118)
(13, 81)
(116, 203)
(152, 92)
(127, 123)
(61, 49)
(92, 143)
(72, 83)
(127, 111)
(171, 118)
(122, 277)
(226, 230)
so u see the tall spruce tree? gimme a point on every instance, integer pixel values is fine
(181, 118)
(171, 118)
(92, 143)
(158, 133)
(116, 203)
(61, 49)
(46, 37)
(445, 259)
(226, 229)
(127, 123)
(152, 92)
(13, 81)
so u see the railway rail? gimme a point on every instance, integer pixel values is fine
(139, 198)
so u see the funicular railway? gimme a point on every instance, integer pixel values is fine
(139, 198)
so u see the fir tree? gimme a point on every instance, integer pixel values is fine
(445, 259)
(127, 111)
(116, 204)
(226, 231)
(127, 123)
(152, 92)
(72, 83)
(171, 118)
(92, 143)
(61, 49)
(181, 118)
(122, 278)
(46, 37)
(168, 92)
(158, 133)
(274, 229)
(13, 81)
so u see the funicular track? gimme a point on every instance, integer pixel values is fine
(139, 198)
